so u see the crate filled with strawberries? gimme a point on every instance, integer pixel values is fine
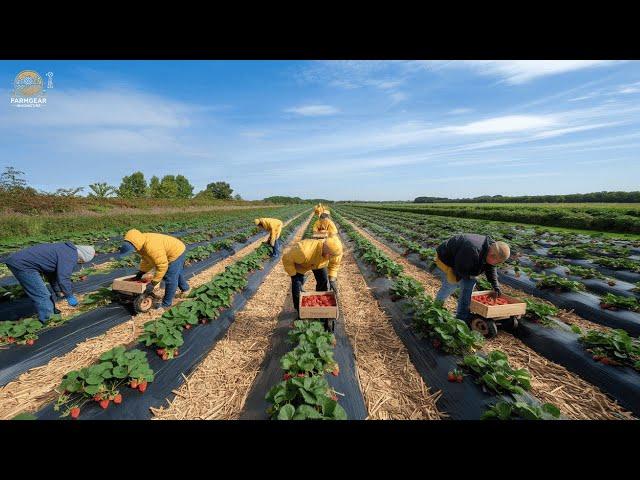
(483, 303)
(318, 305)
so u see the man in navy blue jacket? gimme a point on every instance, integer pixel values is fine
(56, 262)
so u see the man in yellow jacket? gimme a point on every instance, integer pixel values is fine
(320, 209)
(325, 225)
(164, 253)
(274, 227)
(322, 256)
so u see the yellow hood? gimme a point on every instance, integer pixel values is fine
(136, 238)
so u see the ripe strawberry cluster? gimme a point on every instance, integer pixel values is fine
(324, 300)
(488, 300)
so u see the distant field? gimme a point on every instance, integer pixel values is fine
(603, 217)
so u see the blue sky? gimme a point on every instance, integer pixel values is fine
(358, 130)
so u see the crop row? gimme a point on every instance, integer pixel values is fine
(451, 335)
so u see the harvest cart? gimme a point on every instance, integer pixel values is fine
(130, 290)
(320, 235)
(486, 318)
(328, 313)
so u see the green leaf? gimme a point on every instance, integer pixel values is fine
(286, 412)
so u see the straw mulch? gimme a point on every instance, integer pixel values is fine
(552, 383)
(217, 389)
(35, 388)
(390, 384)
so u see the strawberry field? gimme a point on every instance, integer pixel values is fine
(233, 348)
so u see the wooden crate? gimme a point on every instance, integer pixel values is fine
(514, 308)
(128, 284)
(320, 235)
(318, 312)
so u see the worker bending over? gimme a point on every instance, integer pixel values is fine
(325, 225)
(274, 227)
(461, 259)
(322, 256)
(165, 254)
(320, 209)
(56, 262)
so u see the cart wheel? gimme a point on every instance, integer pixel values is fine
(142, 303)
(509, 324)
(484, 326)
(329, 324)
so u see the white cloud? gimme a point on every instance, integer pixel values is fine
(516, 72)
(398, 97)
(313, 110)
(460, 111)
(505, 124)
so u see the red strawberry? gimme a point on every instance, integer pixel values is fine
(104, 403)
(142, 386)
(30, 341)
(117, 399)
(134, 384)
(301, 375)
(175, 352)
(75, 412)
(160, 351)
(334, 397)
(287, 376)
(97, 398)
(165, 356)
(336, 371)
(459, 378)
(203, 321)
(11, 339)
(187, 326)
(451, 377)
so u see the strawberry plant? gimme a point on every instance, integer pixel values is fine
(453, 335)
(163, 334)
(98, 298)
(20, 332)
(308, 398)
(583, 272)
(539, 312)
(610, 301)
(309, 357)
(100, 382)
(636, 288)
(11, 292)
(618, 263)
(521, 410)
(382, 264)
(543, 262)
(311, 332)
(496, 374)
(569, 252)
(406, 287)
(614, 347)
(557, 283)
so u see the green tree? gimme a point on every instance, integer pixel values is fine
(237, 197)
(218, 190)
(68, 192)
(101, 190)
(168, 187)
(185, 189)
(133, 186)
(154, 187)
(12, 180)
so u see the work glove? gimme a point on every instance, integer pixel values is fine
(72, 301)
(139, 275)
(151, 287)
(496, 293)
(333, 284)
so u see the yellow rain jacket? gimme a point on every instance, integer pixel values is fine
(451, 276)
(325, 224)
(274, 226)
(157, 251)
(307, 255)
(320, 209)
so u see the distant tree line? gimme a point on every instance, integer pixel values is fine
(288, 200)
(132, 186)
(600, 197)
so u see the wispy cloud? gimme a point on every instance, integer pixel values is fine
(506, 124)
(313, 110)
(516, 72)
(460, 111)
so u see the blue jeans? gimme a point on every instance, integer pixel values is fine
(297, 282)
(464, 299)
(173, 279)
(277, 248)
(37, 291)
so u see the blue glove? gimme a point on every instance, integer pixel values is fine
(127, 247)
(72, 301)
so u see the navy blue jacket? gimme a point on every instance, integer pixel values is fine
(467, 255)
(55, 260)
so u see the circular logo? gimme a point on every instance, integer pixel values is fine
(28, 83)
